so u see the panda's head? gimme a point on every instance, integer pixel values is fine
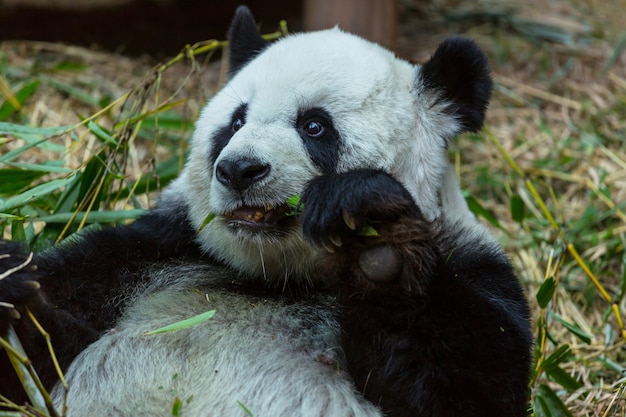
(313, 104)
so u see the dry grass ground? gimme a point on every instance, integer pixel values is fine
(548, 172)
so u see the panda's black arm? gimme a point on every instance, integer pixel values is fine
(434, 322)
(460, 347)
(84, 284)
(92, 275)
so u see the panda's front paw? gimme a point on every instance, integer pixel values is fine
(341, 206)
(338, 208)
(18, 282)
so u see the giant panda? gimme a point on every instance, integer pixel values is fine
(377, 294)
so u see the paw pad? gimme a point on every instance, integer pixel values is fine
(381, 264)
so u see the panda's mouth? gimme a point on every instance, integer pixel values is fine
(268, 215)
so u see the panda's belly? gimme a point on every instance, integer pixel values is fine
(264, 355)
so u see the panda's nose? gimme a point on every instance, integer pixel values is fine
(240, 174)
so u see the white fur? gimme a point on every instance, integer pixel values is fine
(275, 359)
(385, 116)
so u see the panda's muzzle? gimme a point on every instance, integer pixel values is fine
(240, 174)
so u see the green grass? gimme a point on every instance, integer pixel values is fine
(548, 174)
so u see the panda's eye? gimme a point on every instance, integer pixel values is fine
(313, 128)
(237, 124)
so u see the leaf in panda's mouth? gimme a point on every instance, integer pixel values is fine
(206, 221)
(295, 207)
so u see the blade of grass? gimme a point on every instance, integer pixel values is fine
(34, 193)
(11, 106)
(183, 324)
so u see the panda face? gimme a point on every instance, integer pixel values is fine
(309, 105)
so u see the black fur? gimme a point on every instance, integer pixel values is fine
(369, 196)
(323, 149)
(450, 336)
(223, 136)
(85, 284)
(460, 70)
(245, 40)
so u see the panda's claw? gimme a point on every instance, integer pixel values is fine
(329, 248)
(15, 315)
(19, 285)
(336, 240)
(349, 220)
(34, 285)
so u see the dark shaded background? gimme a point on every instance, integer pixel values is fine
(155, 27)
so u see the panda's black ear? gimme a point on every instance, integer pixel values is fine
(244, 40)
(460, 71)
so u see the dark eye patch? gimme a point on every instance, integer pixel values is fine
(223, 135)
(321, 139)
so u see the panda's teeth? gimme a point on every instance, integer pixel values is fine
(269, 207)
(259, 216)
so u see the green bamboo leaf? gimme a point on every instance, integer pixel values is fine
(367, 230)
(71, 66)
(177, 407)
(558, 375)
(11, 216)
(577, 331)
(166, 120)
(28, 377)
(26, 131)
(18, 233)
(114, 216)
(75, 92)
(558, 356)
(9, 156)
(293, 201)
(46, 167)
(34, 193)
(546, 291)
(183, 324)
(69, 197)
(208, 219)
(548, 404)
(21, 96)
(478, 209)
(14, 180)
(101, 133)
(33, 136)
(518, 209)
(295, 207)
(245, 409)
